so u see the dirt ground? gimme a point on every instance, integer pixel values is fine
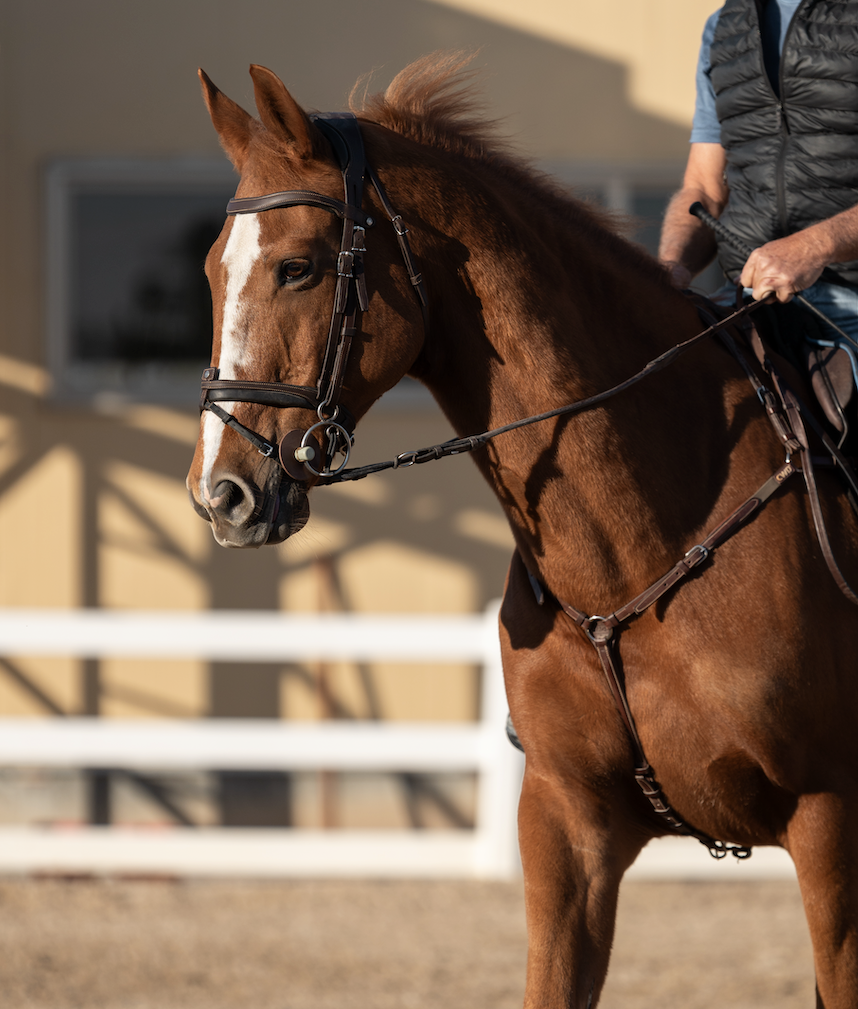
(114, 944)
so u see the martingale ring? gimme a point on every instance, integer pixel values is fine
(307, 442)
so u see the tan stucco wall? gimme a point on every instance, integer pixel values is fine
(653, 40)
(92, 504)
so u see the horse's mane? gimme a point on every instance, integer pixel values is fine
(434, 101)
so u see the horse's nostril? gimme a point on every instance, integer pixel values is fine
(231, 502)
(226, 495)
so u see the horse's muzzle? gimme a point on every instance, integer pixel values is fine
(245, 516)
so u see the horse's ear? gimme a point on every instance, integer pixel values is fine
(233, 124)
(280, 113)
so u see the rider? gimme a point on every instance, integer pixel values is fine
(774, 154)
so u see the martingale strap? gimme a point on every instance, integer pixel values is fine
(603, 634)
(785, 412)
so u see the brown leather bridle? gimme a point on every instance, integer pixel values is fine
(298, 449)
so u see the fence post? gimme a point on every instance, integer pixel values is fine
(501, 766)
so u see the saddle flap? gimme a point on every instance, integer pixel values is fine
(830, 373)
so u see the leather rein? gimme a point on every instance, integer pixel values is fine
(298, 449)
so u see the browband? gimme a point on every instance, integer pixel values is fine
(296, 198)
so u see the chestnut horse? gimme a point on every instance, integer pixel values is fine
(741, 680)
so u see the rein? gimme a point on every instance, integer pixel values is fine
(457, 446)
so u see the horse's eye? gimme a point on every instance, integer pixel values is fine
(294, 270)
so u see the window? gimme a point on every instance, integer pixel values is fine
(128, 307)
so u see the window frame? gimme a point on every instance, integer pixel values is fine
(108, 384)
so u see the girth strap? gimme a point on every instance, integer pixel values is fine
(797, 413)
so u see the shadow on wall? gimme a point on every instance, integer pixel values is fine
(556, 101)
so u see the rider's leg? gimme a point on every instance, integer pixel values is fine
(839, 303)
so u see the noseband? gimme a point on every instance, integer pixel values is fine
(298, 449)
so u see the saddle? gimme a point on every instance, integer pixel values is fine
(788, 343)
(826, 363)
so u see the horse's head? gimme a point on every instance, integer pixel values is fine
(288, 289)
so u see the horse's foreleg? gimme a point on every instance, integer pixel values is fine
(573, 865)
(823, 842)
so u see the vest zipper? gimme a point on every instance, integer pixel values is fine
(777, 99)
(780, 183)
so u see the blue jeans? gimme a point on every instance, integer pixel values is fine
(838, 303)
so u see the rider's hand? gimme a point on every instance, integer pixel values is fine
(784, 267)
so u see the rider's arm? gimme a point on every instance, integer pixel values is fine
(789, 265)
(687, 246)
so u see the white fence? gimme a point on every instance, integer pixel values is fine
(489, 851)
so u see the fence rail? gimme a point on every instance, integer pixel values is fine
(488, 851)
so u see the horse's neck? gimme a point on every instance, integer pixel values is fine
(577, 490)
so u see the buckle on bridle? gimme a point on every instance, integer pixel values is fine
(345, 265)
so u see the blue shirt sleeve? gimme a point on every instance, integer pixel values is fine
(705, 128)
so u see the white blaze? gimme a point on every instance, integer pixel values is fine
(241, 253)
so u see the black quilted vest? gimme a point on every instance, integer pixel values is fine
(793, 161)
